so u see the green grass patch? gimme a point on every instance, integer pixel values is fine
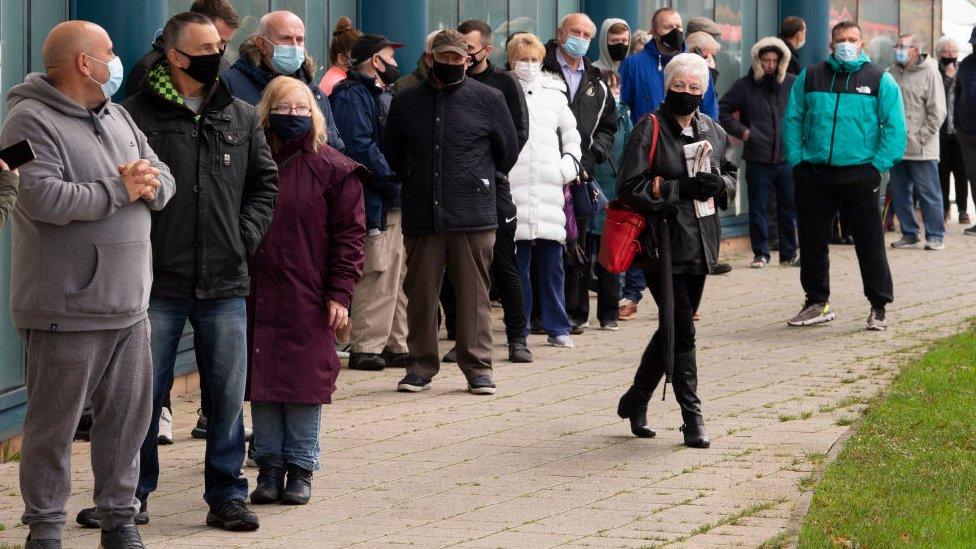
(908, 476)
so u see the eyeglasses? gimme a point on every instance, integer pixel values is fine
(284, 108)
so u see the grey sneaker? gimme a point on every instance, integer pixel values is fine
(561, 341)
(934, 244)
(905, 242)
(876, 319)
(812, 313)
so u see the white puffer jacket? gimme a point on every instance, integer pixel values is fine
(538, 177)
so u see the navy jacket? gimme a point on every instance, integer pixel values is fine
(965, 89)
(247, 80)
(361, 118)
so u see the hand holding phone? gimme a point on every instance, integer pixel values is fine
(17, 155)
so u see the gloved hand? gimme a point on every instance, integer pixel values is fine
(709, 184)
(689, 188)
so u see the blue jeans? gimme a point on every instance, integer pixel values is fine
(220, 329)
(634, 284)
(551, 282)
(921, 177)
(762, 180)
(288, 430)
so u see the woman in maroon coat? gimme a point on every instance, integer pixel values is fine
(302, 279)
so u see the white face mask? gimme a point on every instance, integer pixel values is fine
(527, 72)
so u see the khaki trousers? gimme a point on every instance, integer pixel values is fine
(379, 304)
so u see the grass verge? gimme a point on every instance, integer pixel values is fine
(908, 476)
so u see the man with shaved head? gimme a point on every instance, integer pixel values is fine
(596, 119)
(81, 280)
(277, 48)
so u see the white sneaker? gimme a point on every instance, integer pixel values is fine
(165, 427)
(563, 341)
(342, 349)
(934, 244)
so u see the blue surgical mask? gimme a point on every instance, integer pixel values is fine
(901, 56)
(115, 76)
(575, 46)
(845, 52)
(287, 59)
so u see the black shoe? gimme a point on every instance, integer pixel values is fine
(370, 362)
(271, 480)
(124, 537)
(722, 268)
(233, 515)
(539, 330)
(395, 360)
(42, 543)
(695, 436)
(412, 383)
(481, 385)
(450, 356)
(630, 407)
(200, 431)
(519, 353)
(89, 518)
(298, 490)
(577, 329)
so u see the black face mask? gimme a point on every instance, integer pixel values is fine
(682, 103)
(617, 51)
(447, 75)
(474, 59)
(674, 39)
(203, 68)
(390, 73)
(289, 126)
(946, 61)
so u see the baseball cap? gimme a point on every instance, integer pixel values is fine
(369, 45)
(450, 40)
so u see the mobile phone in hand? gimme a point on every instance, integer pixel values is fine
(17, 154)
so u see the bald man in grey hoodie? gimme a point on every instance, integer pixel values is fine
(81, 279)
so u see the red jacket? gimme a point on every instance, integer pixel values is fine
(312, 253)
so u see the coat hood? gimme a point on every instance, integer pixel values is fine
(784, 57)
(38, 86)
(249, 50)
(605, 63)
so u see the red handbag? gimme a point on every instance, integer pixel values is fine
(620, 241)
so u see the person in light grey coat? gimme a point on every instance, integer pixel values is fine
(81, 279)
(917, 174)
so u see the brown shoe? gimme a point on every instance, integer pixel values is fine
(626, 309)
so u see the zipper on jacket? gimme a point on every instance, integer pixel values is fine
(833, 129)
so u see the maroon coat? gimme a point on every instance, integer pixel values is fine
(312, 253)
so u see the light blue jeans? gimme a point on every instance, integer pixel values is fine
(918, 177)
(287, 430)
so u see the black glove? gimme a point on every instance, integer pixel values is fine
(709, 185)
(689, 188)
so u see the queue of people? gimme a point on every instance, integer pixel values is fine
(275, 212)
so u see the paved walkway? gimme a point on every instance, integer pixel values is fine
(546, 462)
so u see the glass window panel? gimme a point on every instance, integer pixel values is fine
(44, 15)
(694, 8)
(472, 9)
(879, 24)
(767, 20)
(249, 12)
(441, 14)
(729, 61)
(648, 7)
(537, 17)
(916, 18)
(842, 10)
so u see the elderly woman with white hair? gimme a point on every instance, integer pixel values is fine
(950, 154)
(686, 207)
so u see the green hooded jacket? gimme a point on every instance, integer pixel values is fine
(845, 114)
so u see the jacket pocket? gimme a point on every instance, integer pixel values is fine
(120, 283)
(232, 155)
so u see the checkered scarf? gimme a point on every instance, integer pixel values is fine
(161, 82)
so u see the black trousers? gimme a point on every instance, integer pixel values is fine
(820, 191)
(506, 283)
(688, 290)
(607, 287)
(578, 275)
(951, 163)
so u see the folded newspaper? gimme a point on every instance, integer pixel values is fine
(698, 159)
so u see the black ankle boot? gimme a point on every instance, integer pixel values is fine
(271, 480)
(298, 489)
(695, 435)
(631, 407)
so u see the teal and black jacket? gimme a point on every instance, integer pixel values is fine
(845, 114)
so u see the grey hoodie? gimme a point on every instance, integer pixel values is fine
(81, 254)
(605, 63)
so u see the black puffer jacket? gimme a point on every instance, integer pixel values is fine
(449, 146)
(761, 104)
(694, 241)
(593, 106)
(226, 184)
